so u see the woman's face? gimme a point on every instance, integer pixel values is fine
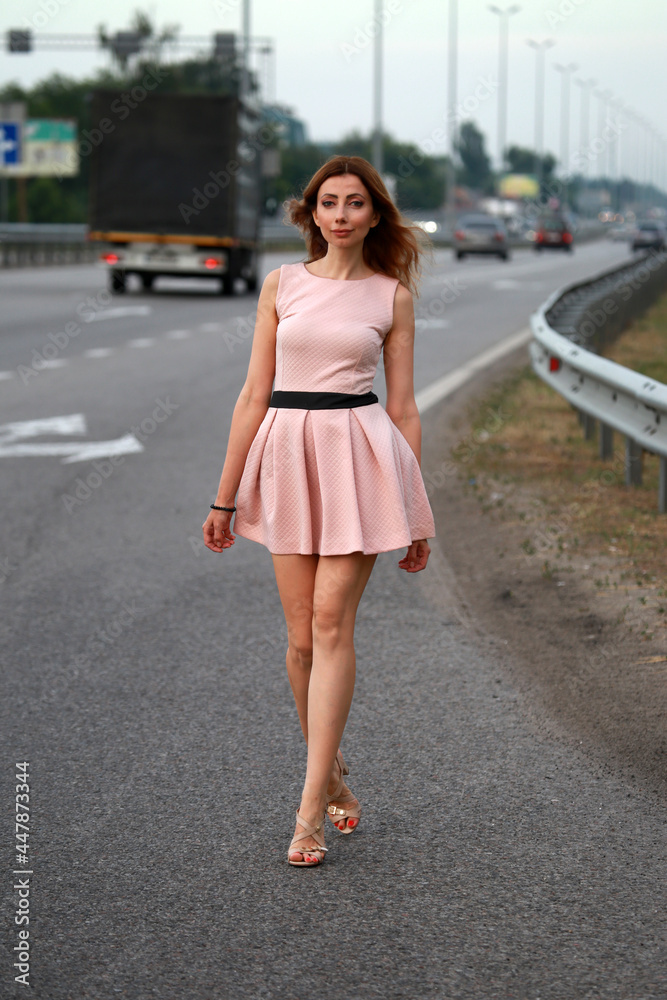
(344, 211)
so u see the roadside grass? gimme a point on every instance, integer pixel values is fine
(527, 459)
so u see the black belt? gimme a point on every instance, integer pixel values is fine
(320, 400)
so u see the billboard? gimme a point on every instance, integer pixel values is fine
(518, 186)
(39, 147)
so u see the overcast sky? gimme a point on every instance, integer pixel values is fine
(324, 59)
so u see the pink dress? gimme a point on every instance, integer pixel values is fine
(331, 481)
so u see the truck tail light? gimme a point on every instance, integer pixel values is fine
(211, 262)
(110, 258)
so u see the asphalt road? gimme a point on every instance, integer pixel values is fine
(498, 856)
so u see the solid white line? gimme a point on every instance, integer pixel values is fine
(445, 386)
(178, 334)
(5, 375)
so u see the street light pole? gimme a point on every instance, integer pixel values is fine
(540, 49)
(565, 72)
(245, 73)
(586, 87)
(451, 108)
(504, 16)
(378, 159)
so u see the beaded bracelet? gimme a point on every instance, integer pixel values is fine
(230, 510)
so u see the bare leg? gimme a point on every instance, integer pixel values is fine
(339, 582)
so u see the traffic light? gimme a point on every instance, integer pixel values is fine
(224, 46)
(19, 40)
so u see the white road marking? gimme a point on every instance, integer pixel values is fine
(445, 386)
(13, 438)
(74, 423)
(98, 352)
(210, 327)
(118, 313)
(74, 451)
(178, 334)
(431, 323)
(142, 342)
(6, 375)
(505, 284)
(53, 363)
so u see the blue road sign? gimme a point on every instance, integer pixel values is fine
(10, 143)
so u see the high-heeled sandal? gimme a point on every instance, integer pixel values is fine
(336, 813)
(308, 831)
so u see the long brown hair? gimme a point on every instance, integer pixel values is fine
(393, 247)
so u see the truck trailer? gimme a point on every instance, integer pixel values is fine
(175, 188)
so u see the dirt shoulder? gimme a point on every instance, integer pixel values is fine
(579, 615)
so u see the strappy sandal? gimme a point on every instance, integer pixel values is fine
(308, 831)
(336, 813)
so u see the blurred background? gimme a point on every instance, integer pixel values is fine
(505, 108)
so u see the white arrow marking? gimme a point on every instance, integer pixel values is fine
(75, 423)
(13, 438)
(118, 312)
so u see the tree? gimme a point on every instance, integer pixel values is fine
(146, 40)
(476, 165)
(526, 161)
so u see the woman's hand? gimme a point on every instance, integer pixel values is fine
(217, 535)
(416, 557)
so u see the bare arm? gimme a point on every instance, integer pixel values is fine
(401, 405)
(399, 371)
(249, 412)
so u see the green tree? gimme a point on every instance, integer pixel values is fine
(475, 171)
(526, 161)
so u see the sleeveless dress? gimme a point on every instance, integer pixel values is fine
(331, 481)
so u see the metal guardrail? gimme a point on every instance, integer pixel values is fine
(571, 327)
(36, 244)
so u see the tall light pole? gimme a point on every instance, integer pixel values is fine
(540, 49)
(504, 16)
(566, 72)
(604, 98)
(245, 73)
(378, 159)
(452, 113)
(584, 120)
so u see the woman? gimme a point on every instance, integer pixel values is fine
(327, 478)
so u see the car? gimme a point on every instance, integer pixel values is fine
(553, 232)
(480, 234)
(649, 236)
